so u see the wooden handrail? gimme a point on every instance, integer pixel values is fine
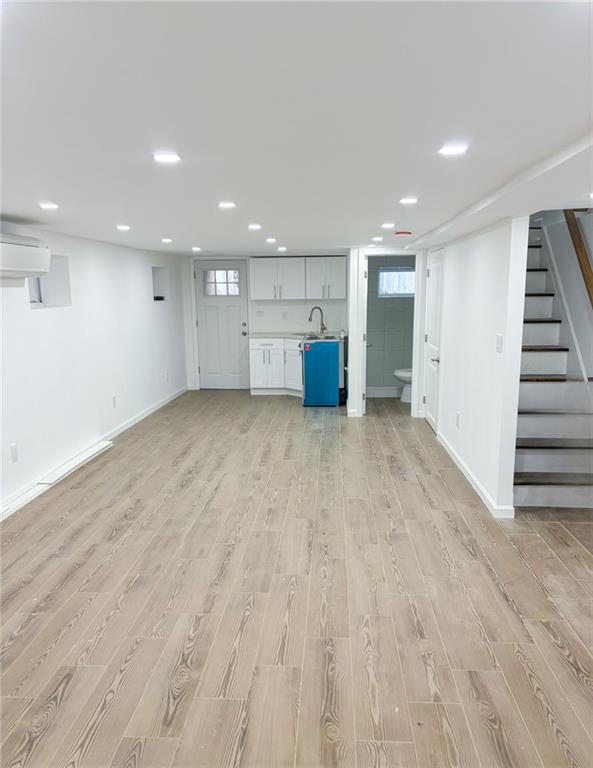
(580, 248)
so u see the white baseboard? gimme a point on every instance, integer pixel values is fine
(24, 495)
(384, 391)
(293, 392)
(496, 510)
(143, 414)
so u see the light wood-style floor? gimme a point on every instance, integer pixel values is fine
(242, 581)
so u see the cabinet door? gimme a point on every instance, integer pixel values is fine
(335, 277)
(275, 359)
(263, 275)
(293, 370)
(315, 268)
(291, 278)
(258, 368)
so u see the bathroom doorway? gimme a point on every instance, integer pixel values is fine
(391, 290)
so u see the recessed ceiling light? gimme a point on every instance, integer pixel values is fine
(166, 240)
(226, 205)
(409, 200)
(166, 157)
(196, 248)
(254, 227)
(281, 248)
(371, 245)
(123, 228)
(453, 149)
(47, 206)
(378, 239)
(591, 195)
(270, 239)
(388, 225)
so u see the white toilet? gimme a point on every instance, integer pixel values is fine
(405, 376)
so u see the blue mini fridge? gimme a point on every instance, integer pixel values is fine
(321, 372)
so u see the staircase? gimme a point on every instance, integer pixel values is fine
(554, 449)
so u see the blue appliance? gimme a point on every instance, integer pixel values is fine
(321, 372)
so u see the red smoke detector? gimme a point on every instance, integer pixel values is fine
(402, 232)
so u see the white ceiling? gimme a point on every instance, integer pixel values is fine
(315, 118)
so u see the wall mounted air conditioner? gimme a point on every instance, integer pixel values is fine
(22, 257)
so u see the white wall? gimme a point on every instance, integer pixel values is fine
(483, 296)
(390, 328)
(278, 316)
(62, 365)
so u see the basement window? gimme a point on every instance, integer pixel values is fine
(396, 282)
(52, 289)
(221, 282)
(159, 283)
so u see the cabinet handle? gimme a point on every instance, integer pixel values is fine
(263, 356)
(274, 291)
(323, 291)
(279, 291)
(284, 357)
(328, 291)
(269, 357)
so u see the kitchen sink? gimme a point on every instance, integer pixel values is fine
(313, 337)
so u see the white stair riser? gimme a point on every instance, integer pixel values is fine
(536, 281)
(555, 425)
(533, 258)
(544, 362)
(565, 395)
(538, 306)
(553, 496)
(553, 460)
(541, 333)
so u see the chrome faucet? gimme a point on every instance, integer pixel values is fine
(322, 327)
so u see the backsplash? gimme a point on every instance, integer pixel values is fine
(278, 316)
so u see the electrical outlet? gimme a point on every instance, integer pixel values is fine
(499, 342)
(14, 452)
(457, 417)
(114, 401)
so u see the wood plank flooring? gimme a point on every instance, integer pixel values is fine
(241, 581)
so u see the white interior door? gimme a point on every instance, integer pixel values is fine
(432, 344)
(223, 345)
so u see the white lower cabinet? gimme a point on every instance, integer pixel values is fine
(275, 364)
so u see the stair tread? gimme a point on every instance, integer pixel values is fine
(552, 412)
(570, 443)
(540, 293)
(544, 348)
(538, 245)
(541, 320)
(534, 227)
(544, 377)
(553, 478)
(537, 269)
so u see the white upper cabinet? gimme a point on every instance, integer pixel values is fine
(326, 277)
(291, 278)
(263, 278)
(277, 278)
(315, 278)
(335, 275)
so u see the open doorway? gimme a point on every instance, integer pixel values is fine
(391, 290)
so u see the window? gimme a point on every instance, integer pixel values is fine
(221, 282)
(52, 289)
(396, 282)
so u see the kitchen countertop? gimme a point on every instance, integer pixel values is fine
(291, 334)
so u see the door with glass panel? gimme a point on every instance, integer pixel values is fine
(223, 348)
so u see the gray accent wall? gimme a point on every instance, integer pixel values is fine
(390, 323)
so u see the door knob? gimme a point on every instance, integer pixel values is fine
(435, 359)
(243, 333)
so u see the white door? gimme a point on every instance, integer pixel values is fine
(291, 278)
(335, 277)
(293, 370)
(433, 336)
(223, 349)
(275, 368)
(263, 278)
(315, 268)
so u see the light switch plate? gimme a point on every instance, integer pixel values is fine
(499, 342)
